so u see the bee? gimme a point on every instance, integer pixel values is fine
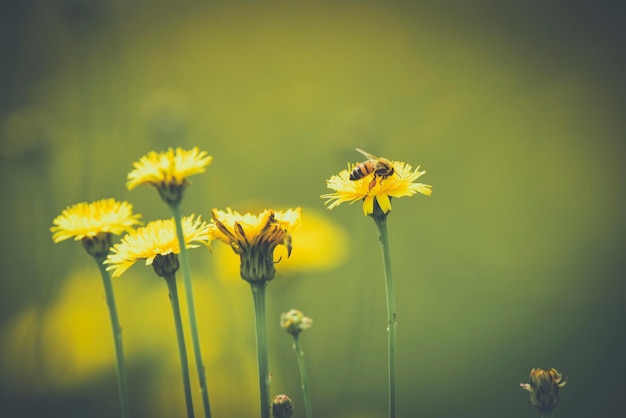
(381, 167)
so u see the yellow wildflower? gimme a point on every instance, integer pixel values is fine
(93, 223)
(168, 171)
(254, 238)
(399, 184)
(86, 220)
(157, 238)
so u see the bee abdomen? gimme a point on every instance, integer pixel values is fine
(360, 171)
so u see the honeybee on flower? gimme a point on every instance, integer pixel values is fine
(381, 167)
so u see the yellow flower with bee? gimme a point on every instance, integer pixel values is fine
(376, 180)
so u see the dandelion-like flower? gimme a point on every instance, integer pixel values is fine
(544, 389)
(168, 171)
(294, 322)
(373, 188)
(254, 238)
(155, 241)
(93, 223)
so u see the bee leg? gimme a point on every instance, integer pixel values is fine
(372, 183)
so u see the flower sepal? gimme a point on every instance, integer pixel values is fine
(98, 245)
(166, 265)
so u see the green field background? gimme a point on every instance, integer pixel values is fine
(514, 109)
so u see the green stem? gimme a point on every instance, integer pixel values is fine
(122, 386)
(258, 293)
(191, 310)
(303, 376)
(180, 337)
(381, 224)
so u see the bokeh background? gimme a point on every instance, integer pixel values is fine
(515, 109)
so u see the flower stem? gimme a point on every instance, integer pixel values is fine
(122, 386)
(381, 223)
(258, 293)
(191, 310)
(180, 337)
(303, 376)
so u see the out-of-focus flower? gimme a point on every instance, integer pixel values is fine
(93, 223)
(157, 238)
(255, 237)
(544, 388)
(294, 322)
(282, 406)
(372, 187)
(168, 171)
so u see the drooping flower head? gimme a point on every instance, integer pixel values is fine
(294, 322)
(544, 389)
(157, 244)
(168, 171)
(93, 223)
(399, 181)
(254, 238)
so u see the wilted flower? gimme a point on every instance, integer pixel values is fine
(168, 171)
(93, 223)
(372, 187)
(544, 389)
(254, 238)
(294, 322)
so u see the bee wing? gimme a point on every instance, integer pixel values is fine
(367, 154)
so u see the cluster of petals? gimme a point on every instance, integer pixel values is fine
(171, 167)
(87, 220)
(156, 238)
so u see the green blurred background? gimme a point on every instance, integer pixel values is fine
(515, 109)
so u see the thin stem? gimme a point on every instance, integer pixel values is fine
(381, 224)
(303, 376)
(180, 337)
(122, 386)
(191, 310)
(258, 293)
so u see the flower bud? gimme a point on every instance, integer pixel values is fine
(294, 322)
(282, 406)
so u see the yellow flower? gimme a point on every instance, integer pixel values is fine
(157, 238)
(168, 171)
(544, 389)
(93, 223)
(254, 238)
(399, 184)
(86, 220)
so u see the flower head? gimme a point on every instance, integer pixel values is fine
(93, 223)
(294, 322)
(282, 406)
(155, 241)
(168, 171)
(254, 238)
(544, 389)
(375, 188)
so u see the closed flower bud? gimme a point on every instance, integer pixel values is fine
(282, 406)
